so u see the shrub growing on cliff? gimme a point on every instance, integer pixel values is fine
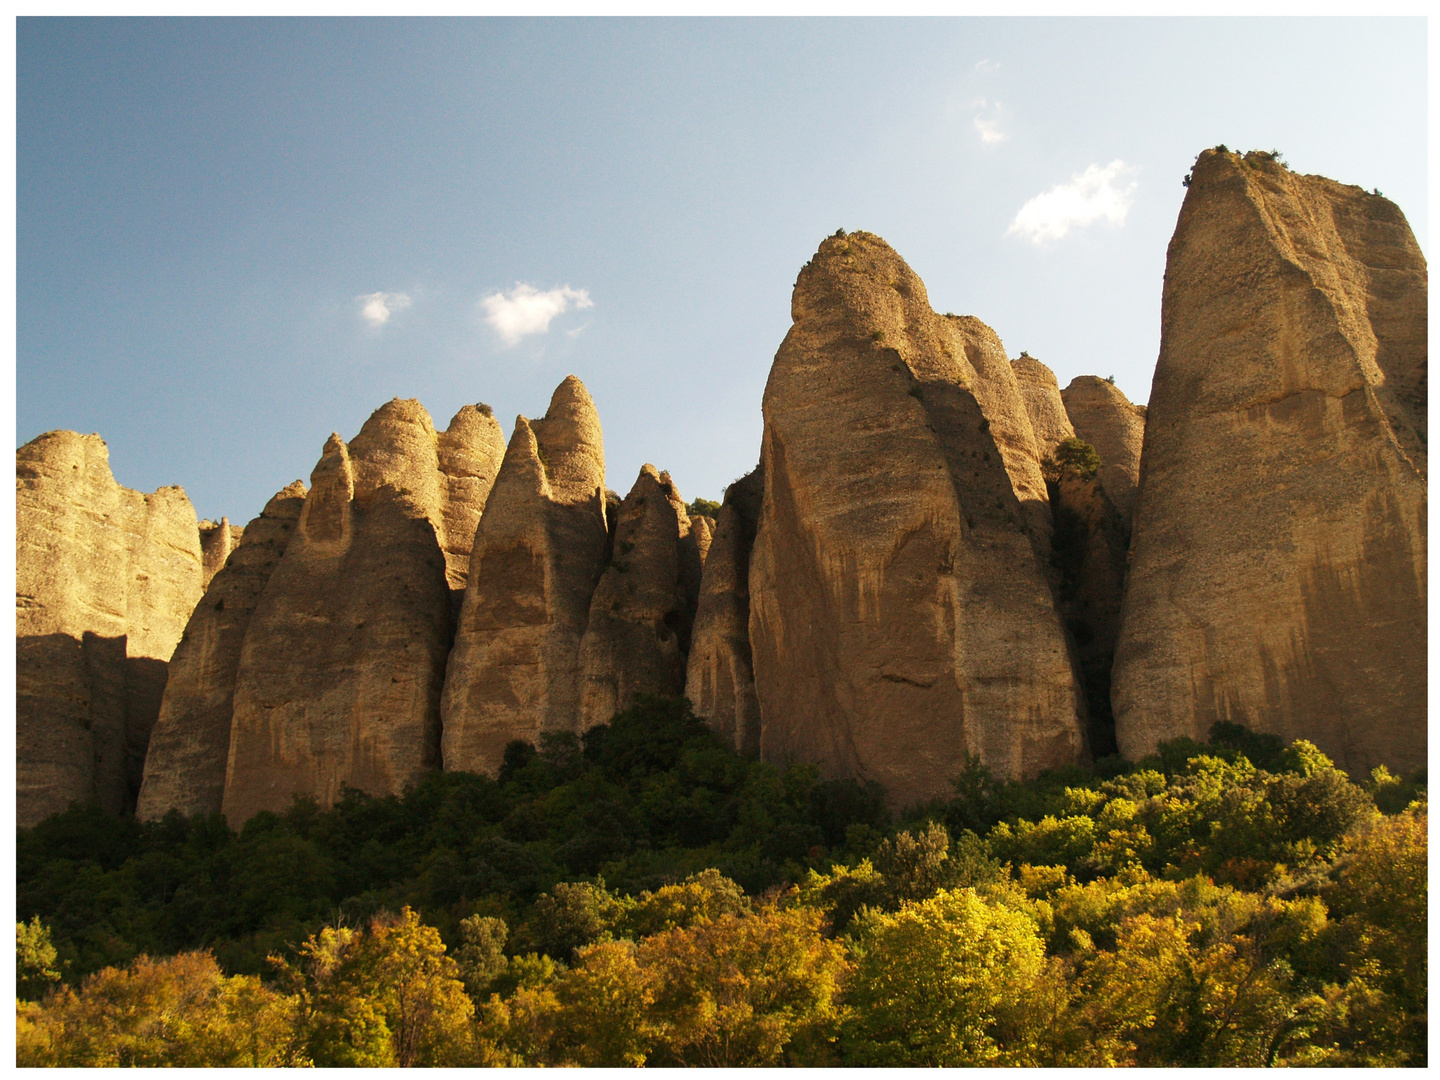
(1075, 457)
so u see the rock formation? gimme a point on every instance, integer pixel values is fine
(900, 616)
(1278, 570)
(105, 579)
(190, 746)
(643, 609)
(541, 547)
(720, 676)
(216, 544)
(342, 664)
(1104, 418)
(1041, 392)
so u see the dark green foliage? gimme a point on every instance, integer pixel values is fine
(1076, 457)
(646, 800)
(703, 507)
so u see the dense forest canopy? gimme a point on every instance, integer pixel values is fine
(643, 895)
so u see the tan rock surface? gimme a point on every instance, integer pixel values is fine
(900, 615)
(190, 745)
(1278, 571)
(342, 664)
(217, 541)
(1041, 391)
(470, 452)
(643, 609)
(1104, 418)
(105, 580)
(720, 676)
(539, 552)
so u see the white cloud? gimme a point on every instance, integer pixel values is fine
(987, 122)
(1088, 197)
(525, 310)
(377, 307)
(984, 67)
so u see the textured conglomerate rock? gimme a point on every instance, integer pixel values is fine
(1043, 404)
(1278, 562)
(217, 541)
(343, 662)
(105, 579)
(900, 615)
(719, 675)
(541, 547)
(190, 745)
(643, 609)
(1103, 417)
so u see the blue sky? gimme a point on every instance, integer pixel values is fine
(234, 237)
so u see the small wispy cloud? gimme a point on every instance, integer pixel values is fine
(525, 310)
(377, 307)
(1089, 197)
(988, 120)
(984, 67)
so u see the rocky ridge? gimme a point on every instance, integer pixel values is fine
(907, 579)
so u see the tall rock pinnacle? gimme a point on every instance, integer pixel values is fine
(1278, 570)
(643, 609)
(542, 544)
(343, 660)
(900, 615)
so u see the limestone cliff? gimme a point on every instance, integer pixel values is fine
(1278, 570)
(900, 615)
(342, 664)
(1104, 418)
(643, 609)
(541, 547)
(1043, 404)
(105, 579)
(190, 746)
(719, 676)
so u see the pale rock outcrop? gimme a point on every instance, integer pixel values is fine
(1041, 391)
(1104, 418)
(643, 609)
(105, 579)
(190, 746)
(900, 615)
(470, 452)
(719, 675)
(217, 541)
(541, 547)
(343, 662)
(1278, 569)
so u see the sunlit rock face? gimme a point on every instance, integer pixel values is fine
(542, 545)
(190, 745)
(1277, 575)
(105, 579)
(900, 613)
(343, 661)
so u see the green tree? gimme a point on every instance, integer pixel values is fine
(1076, 457)
(35, 960)
(481, 955)
(740, 990)
(936, 982)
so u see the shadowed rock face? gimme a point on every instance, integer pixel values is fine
(343, 662)
(190, 746)
(900, 616)
(1043, 404)
(1278, 569)
(1105, 419)
(105, 579)
(720, 677)
(644, 606)
(541, 547)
